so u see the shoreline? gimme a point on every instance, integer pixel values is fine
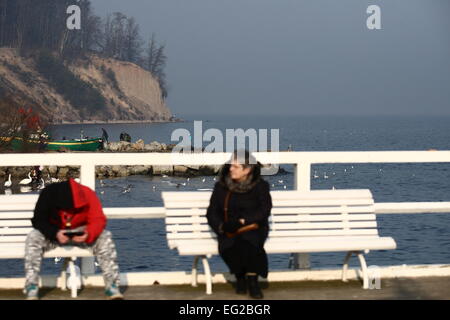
(116, 122)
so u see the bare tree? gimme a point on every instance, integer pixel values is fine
(156, 61)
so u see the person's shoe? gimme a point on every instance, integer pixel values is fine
(241, 284)
(32, 292)
(253, 287)
(113, 293)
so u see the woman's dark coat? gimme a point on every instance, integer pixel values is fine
(254, 206)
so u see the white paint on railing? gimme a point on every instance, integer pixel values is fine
(411, 207)
(302, 161)
(381, 208)
(135, 213)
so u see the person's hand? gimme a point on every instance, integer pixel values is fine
(80, 239)
(231, 226)
(61, 237)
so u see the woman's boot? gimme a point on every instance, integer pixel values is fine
(241, 284)
(253, 287)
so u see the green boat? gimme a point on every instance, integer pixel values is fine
(76, 145)
(93, 144)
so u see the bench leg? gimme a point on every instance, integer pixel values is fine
(345, 266)
(64, 274)
(208, 276)
(73, 277)
(300, 261)
(194, 271)
(362, 261)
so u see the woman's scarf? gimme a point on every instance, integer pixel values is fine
(241, 187)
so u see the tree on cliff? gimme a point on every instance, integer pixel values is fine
(121, 38)
(31, 25)
(155, 62)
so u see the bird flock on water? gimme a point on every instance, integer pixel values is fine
(33, 181)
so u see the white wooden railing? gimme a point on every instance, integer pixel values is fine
(302, 162)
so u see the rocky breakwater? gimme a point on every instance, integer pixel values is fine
(51, 173)
(63, 173)
(138, 146)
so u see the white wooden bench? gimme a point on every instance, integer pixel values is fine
(15, 224)
(300, 222)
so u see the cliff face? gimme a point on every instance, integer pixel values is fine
(130, 92)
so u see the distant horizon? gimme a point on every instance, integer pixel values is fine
(179, 115)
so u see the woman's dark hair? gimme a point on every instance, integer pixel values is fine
(247, 160)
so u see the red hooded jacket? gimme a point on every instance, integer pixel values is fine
(83, 208)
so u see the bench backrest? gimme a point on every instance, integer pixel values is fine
(319, 213)
(15, 214)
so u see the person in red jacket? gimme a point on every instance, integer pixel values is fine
(68, 213)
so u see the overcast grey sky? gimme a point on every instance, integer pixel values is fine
(299, 56)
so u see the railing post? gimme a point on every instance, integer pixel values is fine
(302, 176)
(87, 177)
(302, 182)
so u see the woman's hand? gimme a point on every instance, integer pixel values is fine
(231, 226)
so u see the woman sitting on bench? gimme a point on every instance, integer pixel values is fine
(238, 213)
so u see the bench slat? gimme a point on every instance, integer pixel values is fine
(309, 210)
(296, 233)
(16, 215)
(278, 210)
(193, 203)
(8, 231)
(276, 195)
(289, 245)
(12, 239)
(188, 235)
(328, 217)
(17, 251)
(323, 225)
(19, 199)
(284, 233)
(15, 223)
(17, 206)
(283, 226)
(282, 218)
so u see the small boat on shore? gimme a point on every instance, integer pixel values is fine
(93, 144)
(88, 144)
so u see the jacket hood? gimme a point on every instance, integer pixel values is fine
(78, 194)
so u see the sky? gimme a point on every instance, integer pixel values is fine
(299, 57)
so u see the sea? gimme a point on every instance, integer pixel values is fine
(421, 238)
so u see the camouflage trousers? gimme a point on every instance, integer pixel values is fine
(103, 249)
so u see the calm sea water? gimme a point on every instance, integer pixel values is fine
(421, 239)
